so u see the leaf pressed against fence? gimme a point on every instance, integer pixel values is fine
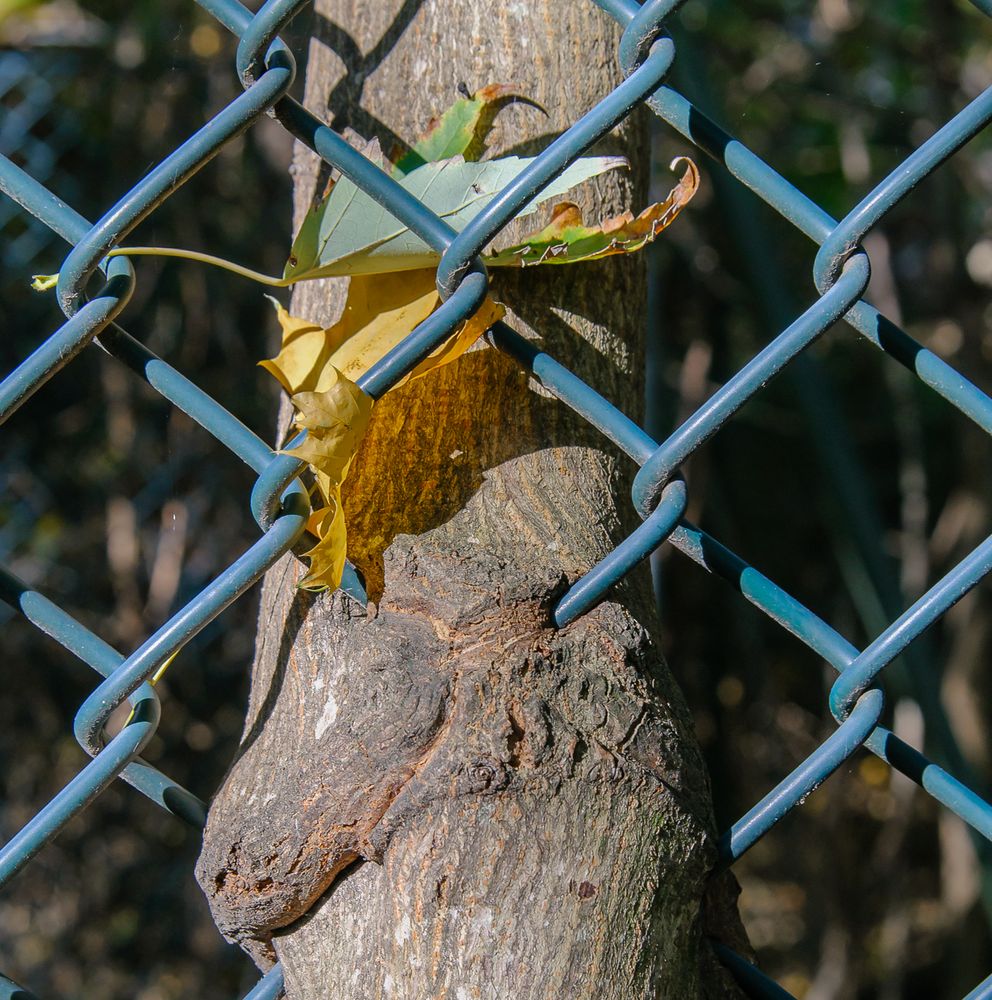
(352, 234)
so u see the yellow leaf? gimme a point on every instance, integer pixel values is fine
(335, 426)
(317, 367)
(328, 555)
(380, 311)
(335, 420)
(462, 339)
(305, 353)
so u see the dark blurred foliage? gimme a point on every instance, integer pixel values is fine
(846, 481)
(115, 504)
(120, 509)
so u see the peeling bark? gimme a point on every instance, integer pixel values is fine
(442, 795)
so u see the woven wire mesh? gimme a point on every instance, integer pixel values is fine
(279, 501)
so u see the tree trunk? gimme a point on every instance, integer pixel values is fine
(443, 796)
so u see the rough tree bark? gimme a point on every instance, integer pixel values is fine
(442, 796)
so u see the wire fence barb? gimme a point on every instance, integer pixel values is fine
(279, 501)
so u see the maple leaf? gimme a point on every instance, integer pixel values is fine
(319, 369)
(335, 419)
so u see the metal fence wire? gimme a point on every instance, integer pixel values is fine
(279, 501)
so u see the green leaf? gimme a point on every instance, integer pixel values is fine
(350, 233)
(567, 240)
(462, 129)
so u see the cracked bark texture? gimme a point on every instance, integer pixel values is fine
(441, 795)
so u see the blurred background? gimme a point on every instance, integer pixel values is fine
(845, 481)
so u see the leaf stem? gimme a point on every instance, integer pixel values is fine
(202, 258)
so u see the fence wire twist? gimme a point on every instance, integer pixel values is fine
(279, 501)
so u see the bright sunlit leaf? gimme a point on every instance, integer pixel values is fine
(567, 240)
(351, 233)
(392, 288)
(462, 129)
(319, 369)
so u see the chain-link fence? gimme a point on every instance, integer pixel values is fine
(279, 501)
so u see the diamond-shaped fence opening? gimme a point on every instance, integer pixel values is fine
(38, 135)
(35, 176)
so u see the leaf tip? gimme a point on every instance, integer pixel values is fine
(44, 282)
(373, 152)
(690, 178)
